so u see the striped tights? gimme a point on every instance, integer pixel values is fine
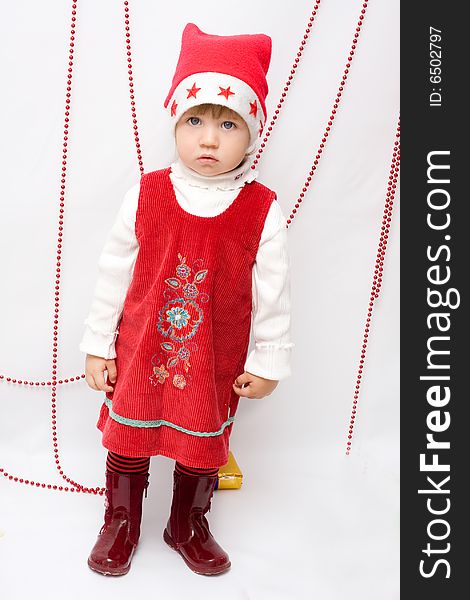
(141, 466)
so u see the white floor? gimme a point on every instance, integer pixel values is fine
(327, 529)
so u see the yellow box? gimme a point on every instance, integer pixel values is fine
(230, 476)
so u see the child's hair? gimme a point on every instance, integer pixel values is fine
(217, 110)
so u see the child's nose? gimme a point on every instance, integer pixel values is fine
(209, 137)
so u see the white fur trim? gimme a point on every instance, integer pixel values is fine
(242, 100)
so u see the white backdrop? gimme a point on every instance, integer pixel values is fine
(309, 522)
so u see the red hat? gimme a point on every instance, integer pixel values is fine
(228, 70)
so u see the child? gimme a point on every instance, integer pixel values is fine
(196, 248)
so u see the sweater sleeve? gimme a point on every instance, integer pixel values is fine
(115, 268)
(271, 355)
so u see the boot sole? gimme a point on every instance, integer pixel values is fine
(209, 571)
(101, 571)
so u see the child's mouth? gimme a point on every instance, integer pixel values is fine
(207, 159)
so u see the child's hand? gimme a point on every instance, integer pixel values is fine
(252, 386)
(94, 372)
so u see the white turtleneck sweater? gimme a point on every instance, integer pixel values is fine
(204, 196)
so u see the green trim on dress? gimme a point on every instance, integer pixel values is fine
(160, 422)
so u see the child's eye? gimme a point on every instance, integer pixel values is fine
(191, 119)
(231, 125)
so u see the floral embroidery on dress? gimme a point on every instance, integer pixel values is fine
(179, 320)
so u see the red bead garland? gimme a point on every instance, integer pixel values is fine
(332, 114)
(43, 383)
(288, 83)
(76, 486)
(131, 88)
(377, 279)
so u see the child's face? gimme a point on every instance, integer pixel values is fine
(225, 138)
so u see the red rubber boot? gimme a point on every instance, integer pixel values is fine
(119, 535)
(187, 530)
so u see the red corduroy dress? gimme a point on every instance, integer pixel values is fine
(185, 327)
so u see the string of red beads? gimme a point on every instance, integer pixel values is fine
(378, 273)
(131, 88)
(336, 103)
(43, 383)
(287, 84)
(54, 382)
(76, 486)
